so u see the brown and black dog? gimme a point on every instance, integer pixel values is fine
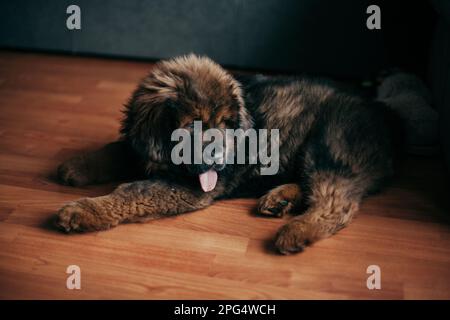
(334, 147)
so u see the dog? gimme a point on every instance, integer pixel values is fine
(335, 148)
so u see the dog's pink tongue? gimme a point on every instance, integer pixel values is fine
(208, 180)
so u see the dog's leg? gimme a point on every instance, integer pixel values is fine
(114, 161)
(280, 200)
(333, 202)
(131, 202)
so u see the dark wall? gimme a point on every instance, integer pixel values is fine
(320, 36)
(440, 72)
(316, 36)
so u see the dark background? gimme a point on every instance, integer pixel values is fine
(324, 37)
(317, 36)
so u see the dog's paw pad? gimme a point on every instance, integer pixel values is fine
(69, 217)
(279, 201)
(272, 206)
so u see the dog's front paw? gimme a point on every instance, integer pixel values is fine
(292, 238)
(71, 217)
(79, 217)
(74, 172)
(280, 200)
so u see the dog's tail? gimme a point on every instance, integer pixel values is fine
(332, 203)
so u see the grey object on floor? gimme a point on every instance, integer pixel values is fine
(409, 96)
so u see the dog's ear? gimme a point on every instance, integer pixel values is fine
(245, 119)
(150, 118)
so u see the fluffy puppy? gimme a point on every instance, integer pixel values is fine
(334, 149)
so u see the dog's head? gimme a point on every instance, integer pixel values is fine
(176, 93)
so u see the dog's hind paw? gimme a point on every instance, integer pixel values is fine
(280, 200)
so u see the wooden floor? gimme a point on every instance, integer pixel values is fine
(52, 107)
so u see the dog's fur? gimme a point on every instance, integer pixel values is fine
(335, 148)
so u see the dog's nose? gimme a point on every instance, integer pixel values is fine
(219, 167)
